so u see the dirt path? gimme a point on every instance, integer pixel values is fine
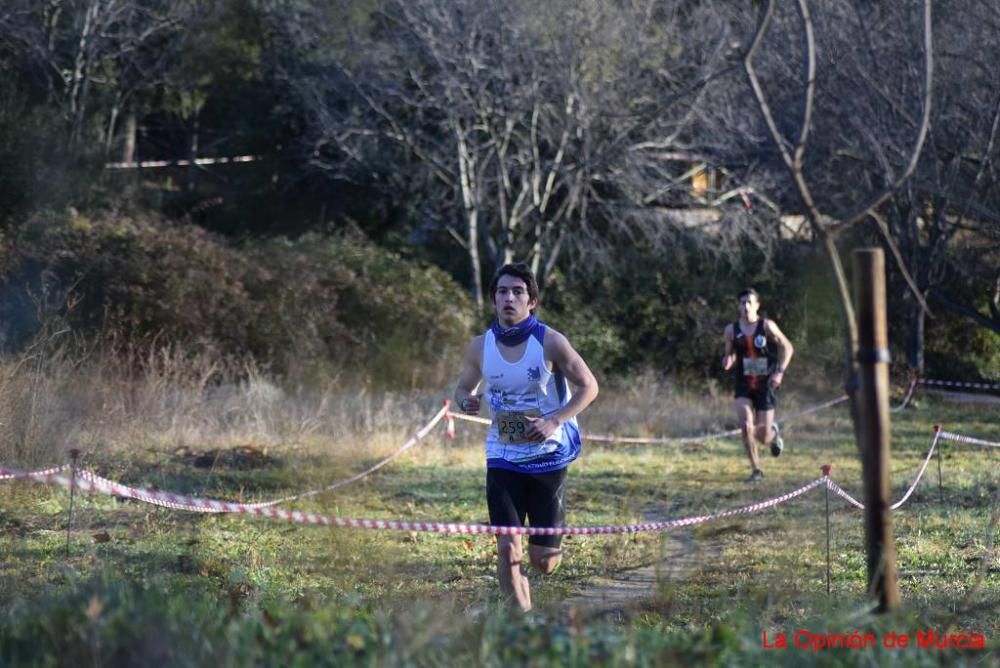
(626, 593)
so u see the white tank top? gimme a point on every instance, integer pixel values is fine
(526, 387)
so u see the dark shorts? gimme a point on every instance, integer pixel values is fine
(763, 398)
(540, 497)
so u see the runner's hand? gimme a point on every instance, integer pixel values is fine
(470, 405)
(775, 380)
(542, 428)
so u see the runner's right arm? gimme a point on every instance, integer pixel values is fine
(729, 358)
(470, 377)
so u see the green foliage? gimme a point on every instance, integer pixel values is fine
(365, 307)
(667, 311)
(960, 350)
(314, 306)
(33, 168)
(165, 588)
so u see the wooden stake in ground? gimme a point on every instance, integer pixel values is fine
(873, 378)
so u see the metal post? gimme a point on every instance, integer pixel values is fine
(937, 428)
(826, 493)
(74, 455)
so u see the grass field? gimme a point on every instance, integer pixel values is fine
(144, 585)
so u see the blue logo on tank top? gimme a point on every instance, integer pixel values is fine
(534, 373)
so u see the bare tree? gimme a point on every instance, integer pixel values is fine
(899, 161)
(78, 49)
(864, 125)
(946, 221)
(537, 126)
(801, 118)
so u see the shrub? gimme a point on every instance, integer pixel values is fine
(315, 306)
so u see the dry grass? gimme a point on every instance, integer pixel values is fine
(59, 394)
(765, 570)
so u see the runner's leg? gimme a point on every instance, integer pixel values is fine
(744, 417)
(504, 490)
(547, 508)
(763, 431)
(513, 583)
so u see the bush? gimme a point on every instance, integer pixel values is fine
(313, 307)
(371, 311)
(667, 310)
(34, 162)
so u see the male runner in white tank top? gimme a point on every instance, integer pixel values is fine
(534, 435)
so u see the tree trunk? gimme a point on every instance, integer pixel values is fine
(192, 171)
(467, 171)
(131, 129)
(79, 81)
(109, 137)
(915, 346)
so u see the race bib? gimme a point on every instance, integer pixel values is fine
(754, 366)
(512, 428)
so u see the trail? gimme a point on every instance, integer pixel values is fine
(627, 592)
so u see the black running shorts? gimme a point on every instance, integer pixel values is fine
(538, 497)
(764, 397)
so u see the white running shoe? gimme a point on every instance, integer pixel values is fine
(778, 444)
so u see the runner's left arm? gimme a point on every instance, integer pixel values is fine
(565, 358)
(787, 350)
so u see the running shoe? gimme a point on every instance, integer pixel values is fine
(778, 444)
(756, 476)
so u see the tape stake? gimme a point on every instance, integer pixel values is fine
(826, 468)
(937, 433)
(826, 496)
(74, 456)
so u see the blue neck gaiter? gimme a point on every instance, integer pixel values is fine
(519, 333)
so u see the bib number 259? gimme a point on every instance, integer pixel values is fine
(513, 427)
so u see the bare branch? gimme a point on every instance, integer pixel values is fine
(879, 199)
(900, 262)
(966, 311)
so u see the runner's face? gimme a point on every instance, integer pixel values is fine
(748, 308)
(512, 302)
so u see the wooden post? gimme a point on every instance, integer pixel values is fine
(873, 413)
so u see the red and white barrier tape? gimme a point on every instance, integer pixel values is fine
(836, 488)
(906, 399)
(11, 474)
(93, 482)
(938, 434)
(956, 383)
(87, 481)
(470, 418)
(947, 435)
(653, 440)
(196, 504)
(420, 433)
(920, 474)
